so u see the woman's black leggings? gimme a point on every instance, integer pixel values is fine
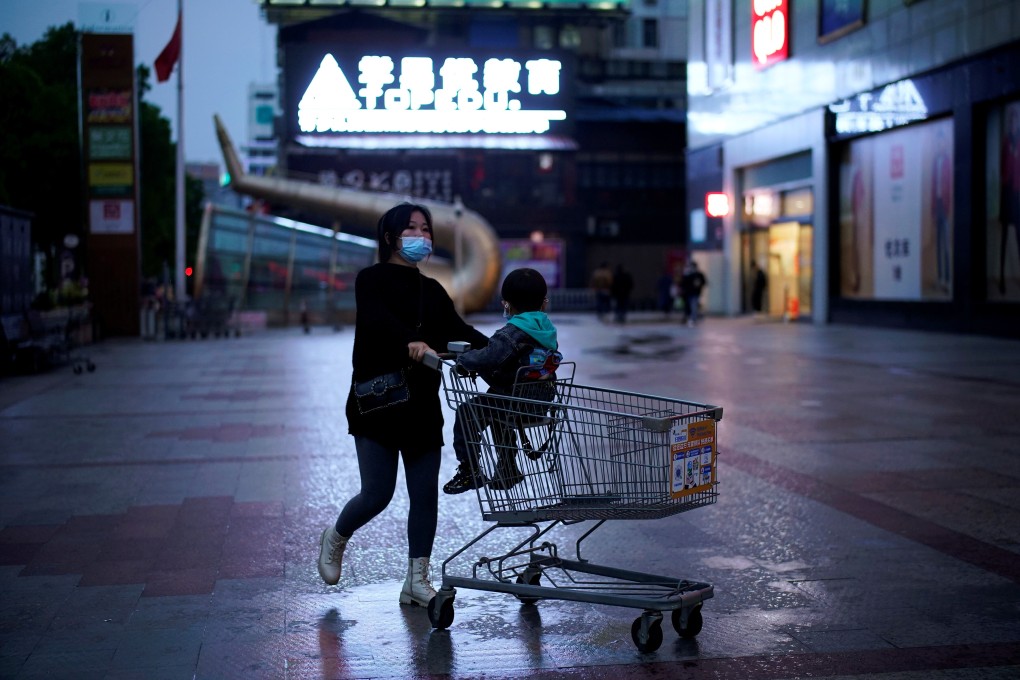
(378, 466)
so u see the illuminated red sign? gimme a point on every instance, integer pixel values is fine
(717, 204)
(770, 37)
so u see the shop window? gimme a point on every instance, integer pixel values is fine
(620, 34)
(570, 38)
(544, 37)
(896, 214)
(1002, 203)
(649, 33)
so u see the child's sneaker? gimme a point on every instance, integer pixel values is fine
(465, 480)
(508, 475)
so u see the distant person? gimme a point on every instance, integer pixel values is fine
(691, 285)
(623, 285)
(601, 282)
(665, 290)
(1009, 193)
(528, 340)
(758, 283)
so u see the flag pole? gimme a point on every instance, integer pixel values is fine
(181, 287)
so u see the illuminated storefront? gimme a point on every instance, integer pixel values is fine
(869, 190)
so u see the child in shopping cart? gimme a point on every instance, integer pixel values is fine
(520, 361)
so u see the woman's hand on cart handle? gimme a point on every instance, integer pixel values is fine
(437, 361)
(417, 350)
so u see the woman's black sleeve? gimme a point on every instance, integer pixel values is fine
(454, 327)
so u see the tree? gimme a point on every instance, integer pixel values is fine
(40, 161)
(41, 169)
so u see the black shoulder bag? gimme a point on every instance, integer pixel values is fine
(388, 389)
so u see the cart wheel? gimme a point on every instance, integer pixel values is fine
(443, 618)
(77, 369)
(653, 638)
(531, 579)
(90, 367)
(694, 623)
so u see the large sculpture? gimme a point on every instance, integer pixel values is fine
(471, 282)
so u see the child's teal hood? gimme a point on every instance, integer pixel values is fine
(538, 326)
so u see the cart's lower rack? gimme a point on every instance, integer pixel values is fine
(533, 571)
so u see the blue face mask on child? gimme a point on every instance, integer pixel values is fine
(506, 312)
(415, 248)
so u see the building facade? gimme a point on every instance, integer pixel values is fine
(869, 153)
(584, 162)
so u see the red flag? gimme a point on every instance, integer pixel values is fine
(170, 54)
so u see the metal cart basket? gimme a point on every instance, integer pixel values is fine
(591, 454)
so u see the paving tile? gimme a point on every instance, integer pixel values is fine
(866, 516)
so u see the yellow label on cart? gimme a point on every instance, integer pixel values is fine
(691, 457)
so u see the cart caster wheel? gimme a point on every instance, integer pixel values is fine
(77, 369)
(90, 367)
(694, 623)
(652, 639)
(443, 618)
(531, 579)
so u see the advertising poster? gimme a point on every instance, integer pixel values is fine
(110, 142)
(1002, 204)
(836, 18)
(719, 42)
(692, 457)
(896, 215)
(896, 256)
(857, 236)
(544, 256)
(937, 205)
(111, 217)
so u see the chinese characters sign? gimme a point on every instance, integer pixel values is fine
(894, 105)
(458, 94)
(769, 35)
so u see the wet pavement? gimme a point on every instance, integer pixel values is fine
(159, 518)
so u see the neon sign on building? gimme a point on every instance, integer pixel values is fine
(770, 35)
(381, 93)
(896, 104)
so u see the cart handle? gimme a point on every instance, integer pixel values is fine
(453, 348)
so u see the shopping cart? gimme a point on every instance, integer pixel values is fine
(592, 454)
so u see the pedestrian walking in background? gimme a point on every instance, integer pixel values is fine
(602, 283)
(691, 285)
(665, 289)
(623, 285)
(393, 407)
(758, 283)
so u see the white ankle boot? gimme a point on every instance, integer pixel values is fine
(331, 552)
(417, 588)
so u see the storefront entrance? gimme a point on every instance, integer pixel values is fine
(782, 248)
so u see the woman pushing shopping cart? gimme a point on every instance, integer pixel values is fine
(590, 454)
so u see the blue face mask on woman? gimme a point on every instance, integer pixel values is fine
(415, 248)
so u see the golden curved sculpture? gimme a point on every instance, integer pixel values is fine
(471, 284)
